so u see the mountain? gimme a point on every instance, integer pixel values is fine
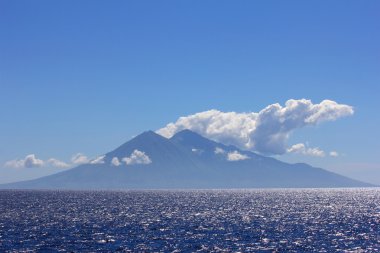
(187, 160)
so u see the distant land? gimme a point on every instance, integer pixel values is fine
(186, 161)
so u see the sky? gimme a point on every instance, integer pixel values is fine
(79, 78)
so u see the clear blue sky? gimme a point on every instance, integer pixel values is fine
(86, 76)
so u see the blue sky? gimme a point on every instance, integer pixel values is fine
(86, 76)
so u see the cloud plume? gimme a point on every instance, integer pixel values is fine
(266, 131)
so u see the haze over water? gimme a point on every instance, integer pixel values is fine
(292, 220)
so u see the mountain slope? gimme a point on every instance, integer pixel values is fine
(187, 160)
(257, 170)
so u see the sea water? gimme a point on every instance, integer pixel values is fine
(281, 220)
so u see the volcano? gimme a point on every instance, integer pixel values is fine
(186, 161)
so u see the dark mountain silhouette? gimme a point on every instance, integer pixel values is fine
(187, 160)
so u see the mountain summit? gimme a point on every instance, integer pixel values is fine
(186, 160)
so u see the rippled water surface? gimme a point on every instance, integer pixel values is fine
(189, 221)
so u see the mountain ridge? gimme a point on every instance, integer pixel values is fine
(186, 160)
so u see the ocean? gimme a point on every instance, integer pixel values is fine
(259, 220)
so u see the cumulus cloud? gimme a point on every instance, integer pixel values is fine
(334, 154)
(301, 148)
(98, 160)
(79, 158)
(115, 161)
(236, 156)
(230, 156)
(57, 163)
(266, 131)
(14, 164)
(219, 151)
(137, 157)
(30, 161)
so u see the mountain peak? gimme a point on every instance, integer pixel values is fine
(148, 135)
(187, 133)
(142, 142)
(194, 140)
(187, 160)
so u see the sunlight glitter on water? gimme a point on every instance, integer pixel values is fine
(301, 220)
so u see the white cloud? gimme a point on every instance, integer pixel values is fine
(14, 164)
(98, 160)
(300, 148)
(219, 151)
(57, 163)
(30, 161)
(197, 151)
(115, 161)
(137, 157)
(297, 148)
(334, 154)
(266, 131)
(236, 156)
(231, 156)
(79, 159)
